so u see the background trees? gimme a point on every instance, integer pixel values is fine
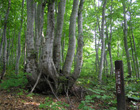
(49, 37)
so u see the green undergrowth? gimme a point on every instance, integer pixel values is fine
(103, 96)
(12, 80)
(51, 105)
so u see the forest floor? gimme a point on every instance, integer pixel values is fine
(16, 99)
(21, 100)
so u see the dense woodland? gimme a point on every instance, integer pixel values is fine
(62, 52)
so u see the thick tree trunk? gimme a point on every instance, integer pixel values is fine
(103, 43)
(79, 53)
(58, 35)
(19, 45)
(48, 67)
(71, 49)
(5, 39)
(31, 65)
(125, 40)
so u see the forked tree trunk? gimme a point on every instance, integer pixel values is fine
(48, 67)
(48, 77)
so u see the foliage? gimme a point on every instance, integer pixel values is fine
(103, 94)
(14, 80)
(51, 105)
(87, 103)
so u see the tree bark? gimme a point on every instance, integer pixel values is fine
(79, 53)
(48, 67)
(39, 20)
(57, 40)
(125, 40)
(31, 64)
(71, 49)
(19, 43)
(103, 43)
(5, 39)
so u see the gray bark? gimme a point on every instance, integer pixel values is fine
(31, 65)
(57, 40)
(103, 43)
(79, 53)
(48, 67)
(39, 26)
(5, 39)
(71, 49)
(19, 45)
(125, 40)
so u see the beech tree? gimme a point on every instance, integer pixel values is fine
(52, 40)
(48, 72)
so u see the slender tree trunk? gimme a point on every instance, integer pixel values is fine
(96, 43)
(5, 39)
(96, 48)
(8, 50)
(57, 40)
(1, 45)
(19, 45)
(125, 40)
(79, 53)
(135, 58)
(103, 43)
(71, 49)
(109, 43)
(137, 62)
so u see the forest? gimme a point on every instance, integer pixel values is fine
(60, 54)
